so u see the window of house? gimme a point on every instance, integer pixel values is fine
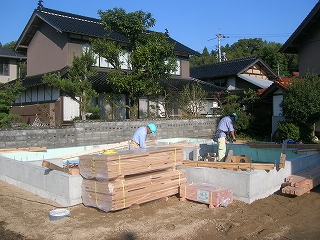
(220, 82)
(103, 63)
(178, 71)
(4, 67)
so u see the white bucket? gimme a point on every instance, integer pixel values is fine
(58, 214)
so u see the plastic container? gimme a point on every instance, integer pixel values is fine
(58, 214)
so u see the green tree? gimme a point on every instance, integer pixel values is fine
(10, 45)
(203, 59)
(301, 101)
(285, 64)
(148, 55)
(77, 85)
(9, 92)
(245, 48)
(232, 104)
(191, 100)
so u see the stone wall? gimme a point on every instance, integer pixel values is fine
(95, 132)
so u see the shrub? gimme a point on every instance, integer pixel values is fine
(288, 130)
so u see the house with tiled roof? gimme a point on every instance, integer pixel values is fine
(50, 40)
(236, 75)
(9, 67)
(274, 94)
(305, 41)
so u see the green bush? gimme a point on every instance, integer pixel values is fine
(288, 130)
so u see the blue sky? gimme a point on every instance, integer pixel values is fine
(192, 23)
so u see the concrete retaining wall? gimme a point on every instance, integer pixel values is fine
(95, 132)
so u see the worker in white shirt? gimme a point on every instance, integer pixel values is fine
(224, 129)
(140, 136)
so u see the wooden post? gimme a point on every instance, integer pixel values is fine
(283, 154)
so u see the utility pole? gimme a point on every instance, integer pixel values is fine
(219, 36)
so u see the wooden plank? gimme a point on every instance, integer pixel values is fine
(283, 154)
(304, 151)
(53, 166)
(229, 156)
(230, 166)
(29, 149)
(94, 150)
(302, 181)
(240, 159)
(97, 194)
(110, 167)
(273, 145)
(71, 171)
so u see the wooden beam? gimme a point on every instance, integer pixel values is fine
(230, 166)
(304, 151)
(273, 145)
(283, 154)
(30, 149)
(52, 166)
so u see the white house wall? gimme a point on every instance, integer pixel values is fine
(143, 107)
(71, 109)
(277, 99)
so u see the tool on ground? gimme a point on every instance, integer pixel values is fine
(109, 151)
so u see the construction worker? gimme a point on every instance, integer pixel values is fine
(140, 136)
(224, 130)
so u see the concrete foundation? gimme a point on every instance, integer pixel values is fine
(247, 186)
(57, 186)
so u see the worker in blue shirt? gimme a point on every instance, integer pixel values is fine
(224, 129)
(140, 136)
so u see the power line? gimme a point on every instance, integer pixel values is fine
(219, 37)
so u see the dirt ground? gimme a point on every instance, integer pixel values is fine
(24, 215)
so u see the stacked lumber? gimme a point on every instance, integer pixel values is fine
(128, 178)
(236, 166)
(206, 193)
(302, 182)
(106, 167)
(131, 190)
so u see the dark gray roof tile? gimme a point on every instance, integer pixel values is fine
(227, 68)
(10, 54)
(73, 23)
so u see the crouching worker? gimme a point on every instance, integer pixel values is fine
(225, 127)
(140, 136)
